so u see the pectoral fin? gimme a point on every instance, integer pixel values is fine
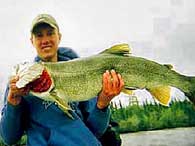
(162, 94)
(63, 105)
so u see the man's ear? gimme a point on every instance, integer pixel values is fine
(31, 39)
(60, 36)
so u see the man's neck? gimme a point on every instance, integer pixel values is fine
(53, 59)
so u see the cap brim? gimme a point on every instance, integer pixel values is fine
(42, 22)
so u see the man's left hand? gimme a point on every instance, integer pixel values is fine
(112, 85)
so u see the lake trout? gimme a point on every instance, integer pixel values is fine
(81, 79)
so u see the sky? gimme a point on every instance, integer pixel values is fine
(162, 30)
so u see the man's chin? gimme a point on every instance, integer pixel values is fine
(47, 58)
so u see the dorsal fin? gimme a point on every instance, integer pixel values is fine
(120, 49)
(169, 66)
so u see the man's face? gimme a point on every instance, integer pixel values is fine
(46, 40)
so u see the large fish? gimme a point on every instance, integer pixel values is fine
(81, 79)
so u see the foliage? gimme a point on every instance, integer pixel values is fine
(151, 117)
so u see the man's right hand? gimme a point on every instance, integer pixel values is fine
(15, 94)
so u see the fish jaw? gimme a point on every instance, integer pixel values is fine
(28, 73)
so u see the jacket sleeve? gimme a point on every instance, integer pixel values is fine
(96, 120)
(11, 127)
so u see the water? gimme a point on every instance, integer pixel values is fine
(168, 137)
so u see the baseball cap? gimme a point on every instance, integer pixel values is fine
(44, 18)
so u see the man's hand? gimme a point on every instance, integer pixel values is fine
(15, 94)
(111, 86)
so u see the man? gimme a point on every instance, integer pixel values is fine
(43, 122)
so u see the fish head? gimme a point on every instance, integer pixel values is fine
(27, 72)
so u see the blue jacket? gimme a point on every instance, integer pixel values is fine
(45, 124)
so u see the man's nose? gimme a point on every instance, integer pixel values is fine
(45, 40)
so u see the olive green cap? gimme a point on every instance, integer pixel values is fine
(44, 18)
